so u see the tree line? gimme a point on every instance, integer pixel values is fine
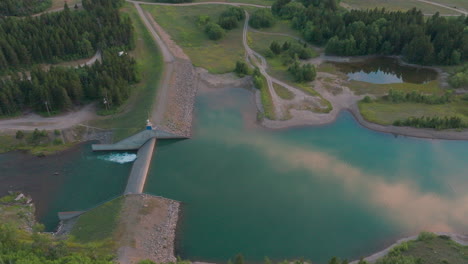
(436, 40)
(227, 20)
(447, 122)
(459, 79)
(60, 88)
(396, 96)
(63, 36)
(290, 53)
(23, 7)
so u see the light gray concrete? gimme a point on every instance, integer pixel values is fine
(69, 215)
(136, 141)
(137, 178)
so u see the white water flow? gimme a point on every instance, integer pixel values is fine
(120, 158)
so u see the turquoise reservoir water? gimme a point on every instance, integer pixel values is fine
(311, 192)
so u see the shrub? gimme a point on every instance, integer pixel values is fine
(234, 11)
(424, 236)
(269, 54)
(367, 99)
(275, 47)
(19, 134)
(58, 141)
(302, 51)
(291, 10)
(57, 132)
(230, 17)
(214, 31)
(262, 18)
(37, 135)
(302, 73)
(227, 23)
(203, 20)
(241, 69)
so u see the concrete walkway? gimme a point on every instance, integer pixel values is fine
(137, 178)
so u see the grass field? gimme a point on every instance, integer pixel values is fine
(60, 3)
(180, 22)
(461, 4)
(98, 224)
(261, 42)
(385, 113)
(394, 5)
(283, 92)
(256, 2)
(359, 87)
(437, 250)
(267, 101)
(428, 248)
(133, 114)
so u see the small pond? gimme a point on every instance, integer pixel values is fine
(385, 70)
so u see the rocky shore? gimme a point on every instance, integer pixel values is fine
(150, 224)
(180, 98)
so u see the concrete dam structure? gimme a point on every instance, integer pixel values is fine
(145, 143)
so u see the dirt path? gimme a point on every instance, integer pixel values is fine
(199, 3)
(173, 110)
(444, 6)
(33, 121)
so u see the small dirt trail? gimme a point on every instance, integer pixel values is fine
(253, 56)
(444, 6)
(32, 121)
(199, 3)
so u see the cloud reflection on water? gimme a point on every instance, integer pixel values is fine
(402, 201)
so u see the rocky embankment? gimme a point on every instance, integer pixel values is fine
(162, 237)
(150, 224)
(181, 98)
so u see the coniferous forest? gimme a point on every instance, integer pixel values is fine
(66, 35)
(436, 40)
(23, 7)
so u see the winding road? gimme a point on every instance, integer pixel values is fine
(32, 121)
(444, 6)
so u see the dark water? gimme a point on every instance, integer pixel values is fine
(74, 180)
(386, 70)
(311, 192)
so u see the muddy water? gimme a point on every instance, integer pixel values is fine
(73, 180)
(385, 70)
(311, 192)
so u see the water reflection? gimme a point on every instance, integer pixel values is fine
(385, 70)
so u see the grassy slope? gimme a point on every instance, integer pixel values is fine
(44, 146)
(150, 64)
(385, 113)
(382, 89)
(180, 22)
(283, 92)
(98, 224)
(267, 101)
(438, 250)
(453, 3)
(403, 5)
